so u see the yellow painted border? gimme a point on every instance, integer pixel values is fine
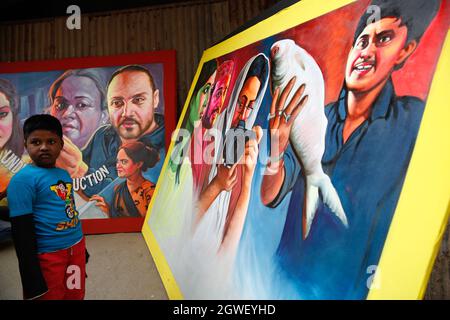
(423, 209)
(420, 218)
(171, 286)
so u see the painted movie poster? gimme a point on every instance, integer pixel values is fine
(114, 128)
(292, 153)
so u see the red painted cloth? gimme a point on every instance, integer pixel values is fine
(65, 273)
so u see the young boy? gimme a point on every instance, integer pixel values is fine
(46, 229)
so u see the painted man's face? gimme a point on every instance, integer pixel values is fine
(131, 104)
(216, 101)
(246, 99)
(377, 50)
(77, 105)
(125, 166)
(6, 120)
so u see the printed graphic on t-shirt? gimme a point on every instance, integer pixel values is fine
(64, 191)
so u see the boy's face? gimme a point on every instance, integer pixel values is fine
(44, 147)
(379, 48)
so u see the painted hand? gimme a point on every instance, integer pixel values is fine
(71, 159)
(280, 123)
(226, 178)
(101, 203)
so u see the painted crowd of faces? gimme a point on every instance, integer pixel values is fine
(78, 98)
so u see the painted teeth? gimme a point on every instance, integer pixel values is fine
(367, 67)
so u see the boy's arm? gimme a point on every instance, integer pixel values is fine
(24, 237)
(21, 196)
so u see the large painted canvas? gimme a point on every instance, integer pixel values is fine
(117, 114)
(311, 160)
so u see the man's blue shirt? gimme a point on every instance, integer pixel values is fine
(368, 173)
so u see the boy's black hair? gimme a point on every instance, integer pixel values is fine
(42, 122)
(416, 15)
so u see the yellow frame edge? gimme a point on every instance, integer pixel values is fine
(423, 208)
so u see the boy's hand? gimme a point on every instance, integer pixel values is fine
(71, 159)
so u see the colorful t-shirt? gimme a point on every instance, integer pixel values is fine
(47, 193)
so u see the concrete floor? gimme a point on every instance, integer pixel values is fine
(120, 267)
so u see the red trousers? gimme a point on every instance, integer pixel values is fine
(64, 272)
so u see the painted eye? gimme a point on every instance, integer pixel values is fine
(81, 106)
(138, 100)
(4, 114)
(117, 103)
(219, 93)
(362, 43)
(60, 106)
(385, 39)
(206, 89)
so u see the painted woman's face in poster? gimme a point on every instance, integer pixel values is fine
(77, 105)
(218, 94)
(216, 101)
(125, 166)
(6, 120)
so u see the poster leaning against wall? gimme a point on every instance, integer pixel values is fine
(312, 158)
(117, 114)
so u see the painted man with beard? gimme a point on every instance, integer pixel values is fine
(132, 98)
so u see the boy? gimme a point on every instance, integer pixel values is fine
(46, 229)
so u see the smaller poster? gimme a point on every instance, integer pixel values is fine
(117, 114)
